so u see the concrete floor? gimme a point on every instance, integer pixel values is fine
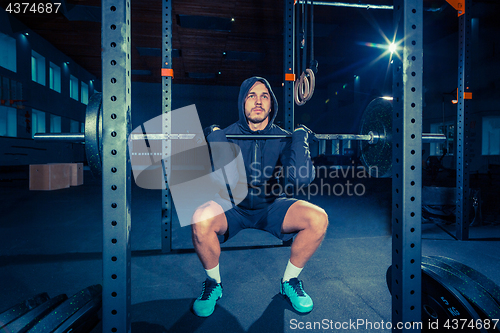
(51, 241)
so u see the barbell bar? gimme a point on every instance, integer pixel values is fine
(375, 136)
(372, 137)
(80, 137)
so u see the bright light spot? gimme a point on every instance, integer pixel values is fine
(387, 98)
(392, 48)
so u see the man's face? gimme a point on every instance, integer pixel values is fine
(258, 104)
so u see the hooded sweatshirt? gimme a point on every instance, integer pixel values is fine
(262, 158)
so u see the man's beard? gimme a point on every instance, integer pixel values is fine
(257, 119)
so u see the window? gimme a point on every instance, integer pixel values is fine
(37, 68)
(73, 87)
(8, 54)
(448, 129)
(85, 93)
(491, 135)
(37, 122)
(55, 124)
(33, 68)
(8, 121)
(55, 77)
(74, 126)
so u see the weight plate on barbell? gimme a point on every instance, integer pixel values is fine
(93, 134)
(377, 157)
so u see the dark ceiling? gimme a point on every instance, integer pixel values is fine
(250, 45)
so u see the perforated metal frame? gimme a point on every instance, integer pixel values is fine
(407, 164)
(166, 202)
(289, 64)
(116, 124)
(463, 157)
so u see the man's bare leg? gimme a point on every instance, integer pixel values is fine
(208, 222)
(310, 222)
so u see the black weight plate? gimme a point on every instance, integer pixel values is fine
(93, 134)
(487, 284)
(377, 157)
(482, 302)
(65, 310)
(83, 320)
(441, 304)
(24, 323)
(22, 308)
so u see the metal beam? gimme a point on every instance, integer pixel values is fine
(166, 201)
(463, 157)
(116, 85)
(289, 64)
(407, 165)
(349, 4)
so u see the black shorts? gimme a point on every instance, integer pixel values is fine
(268, 219)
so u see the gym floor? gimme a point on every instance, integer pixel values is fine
(51, 241)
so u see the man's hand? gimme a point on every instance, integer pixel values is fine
(303, 128)
(210, 129)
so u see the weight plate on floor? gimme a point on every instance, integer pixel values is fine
(377, 157)
(442, 304)
(25, 322)
(66, 309)
(84, 320)
(93, 134)
(22, 308)
(480, 300)
(488, 285)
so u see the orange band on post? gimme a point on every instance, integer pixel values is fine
(167, 72)
(467, 95)
(289, 77)
(458, 5)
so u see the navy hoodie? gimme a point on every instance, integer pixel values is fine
(263, 157)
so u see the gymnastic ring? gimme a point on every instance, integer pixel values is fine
(312, 83)
(304, 87)
(301, 89)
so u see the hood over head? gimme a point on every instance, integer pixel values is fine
(244, 89)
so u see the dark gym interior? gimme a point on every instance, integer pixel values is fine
(51, 240)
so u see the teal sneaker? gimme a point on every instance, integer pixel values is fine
(294, 291)
(204, 305)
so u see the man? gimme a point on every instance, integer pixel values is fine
(219, 220)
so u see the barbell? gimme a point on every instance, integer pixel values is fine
(375, 136)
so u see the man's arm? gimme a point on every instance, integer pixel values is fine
(227, 164)
(298, 169)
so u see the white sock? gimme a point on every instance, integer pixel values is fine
(291, 271)
(214, 273)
